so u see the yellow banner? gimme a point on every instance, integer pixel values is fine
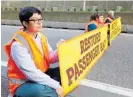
(115, 28)
(79, 54)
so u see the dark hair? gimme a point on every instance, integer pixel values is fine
(98, 14)
(26, 13)
(93, 17)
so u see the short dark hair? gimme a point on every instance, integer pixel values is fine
(98, 14)
(26, 13)
(93, 17)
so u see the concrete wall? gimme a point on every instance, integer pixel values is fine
(109, 5)
(79, 17)
(64, 25)
(65, 5)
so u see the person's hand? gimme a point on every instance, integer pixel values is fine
(60, 91)
(61, 41)
(120, 17)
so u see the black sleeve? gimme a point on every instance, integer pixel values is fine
(107, 21)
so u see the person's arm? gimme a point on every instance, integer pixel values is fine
(86, 28)
(25, 63)
(53, 55)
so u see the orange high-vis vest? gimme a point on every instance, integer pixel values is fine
(16, 77)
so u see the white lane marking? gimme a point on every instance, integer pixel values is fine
(106, 87)
(4, 63)
(126, 34)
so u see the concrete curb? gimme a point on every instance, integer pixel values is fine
(65, 25)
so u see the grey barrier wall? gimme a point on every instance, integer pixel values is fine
(65, 5)
(79, 17)
(64, 25)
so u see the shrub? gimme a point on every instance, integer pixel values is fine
(114, 9)
(88, 9)
(51, 9)
(42, 9)
(15, 8)
(74, 9)
(105, 10)
(81, 9)
(97, 9)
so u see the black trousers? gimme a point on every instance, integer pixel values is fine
(54, 73)
(32, 89)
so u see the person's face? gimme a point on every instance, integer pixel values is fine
(35, 23)
(101, 18)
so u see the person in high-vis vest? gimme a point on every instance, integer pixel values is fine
(29, 57)
(92, 24)
(110, 17)
(107, 21)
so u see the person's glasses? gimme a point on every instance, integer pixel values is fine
(37, 20)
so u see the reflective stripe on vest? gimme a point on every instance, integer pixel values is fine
(16, 81)
(10, 95)
(24, 43)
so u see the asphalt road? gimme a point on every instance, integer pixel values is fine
(114, 68)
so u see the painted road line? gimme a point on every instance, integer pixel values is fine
(4, 63)
(125, 34)
(106, 87)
